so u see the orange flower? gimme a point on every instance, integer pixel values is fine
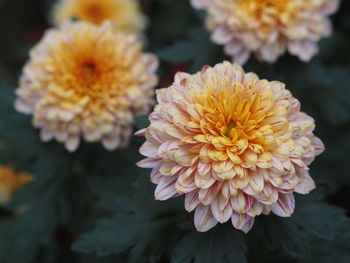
(235, 145)
(268, 27)
(124, 14)
(87, 81)
(10, 181)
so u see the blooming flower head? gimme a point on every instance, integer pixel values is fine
(235, 145)
(124, 14)
(268, 27)
(87, 81)
(10, 181)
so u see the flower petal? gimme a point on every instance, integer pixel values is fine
(285, 205)
(306, 185)
(166, 188)
(191, 201)
(149, 149)
(204, 219)
(221, 214)
(242, 222)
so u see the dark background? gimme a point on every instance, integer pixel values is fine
(177, 36)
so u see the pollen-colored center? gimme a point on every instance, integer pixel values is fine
(241, 114)
(230, 130)
(96, 13)
(89, 72)
(271, 11)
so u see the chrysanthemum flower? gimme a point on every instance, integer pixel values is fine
(235, 145)
(124, 14)
(87, 81)
(268, 27)
(10, 181)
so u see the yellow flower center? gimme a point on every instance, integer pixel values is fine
(240, 115)
(124, 14)
(230, 130)
(95, 12)
(82, 70)
(271, 11)
(89, 71)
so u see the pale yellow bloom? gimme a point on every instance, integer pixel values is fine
(87, 81)
(268, 27)
(235, 145)
(124, 14)
(10, 181)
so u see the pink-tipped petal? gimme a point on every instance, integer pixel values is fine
(256, 182)
(285, 205)
(306, 185)
(166, 188)
(72, 144)
(221, 214)
(140, 132)
(147, 163)
(221, 35)
(149, 149)
(318, 145)
(191, 201)
(242, 222)
(204, 219)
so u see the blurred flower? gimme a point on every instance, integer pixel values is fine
(87, 80)
(268, 27)
(124, 14)
(10, 181)
(235, 145)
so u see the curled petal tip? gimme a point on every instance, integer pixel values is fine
(140, 132)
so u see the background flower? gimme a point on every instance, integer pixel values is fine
(10, 181)
(268, 27)
(87, 81)
(124, 14)
(235, 145)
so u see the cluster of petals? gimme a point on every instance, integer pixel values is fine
(10, 181)
(268, 27)
(235, 145)
(87, 81)
(124, 14)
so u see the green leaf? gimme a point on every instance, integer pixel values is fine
(170, 19)
(19, 139)
(320, 219)
(35, 226)
(31, 228)
(93, 259)
(314, 225)
(141, 122)
(197, 49)
(222, 244)
(121, 232)
(146, 227)
(38, 211)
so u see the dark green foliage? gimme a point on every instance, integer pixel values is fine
(141, 122)
(196, 49)
(150, 229)
(314, 225)
(222, 245)
(95, 206)
(21, 140)
(138, 222)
